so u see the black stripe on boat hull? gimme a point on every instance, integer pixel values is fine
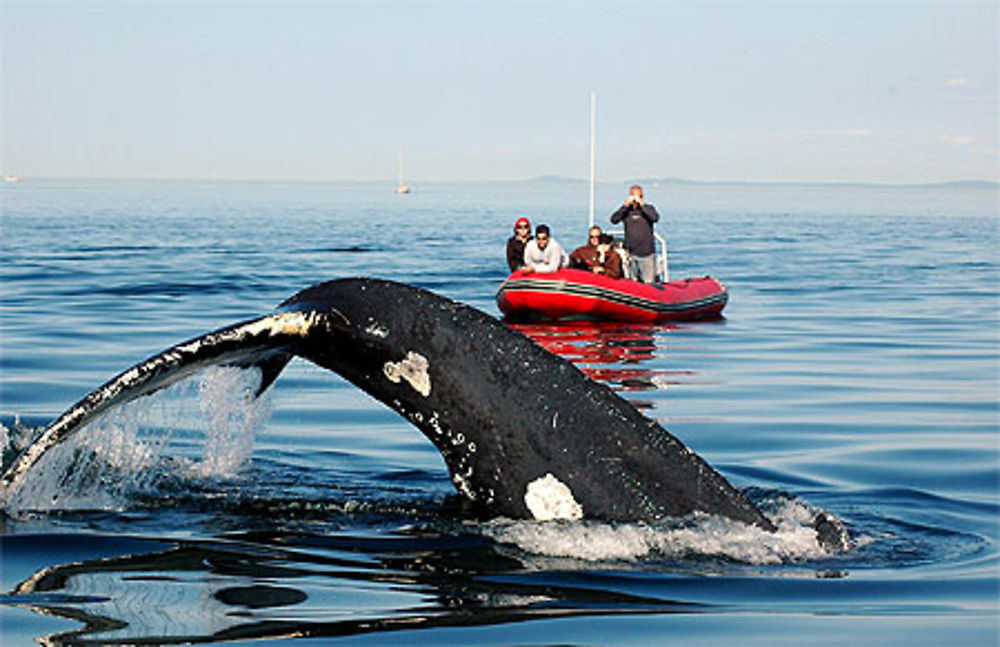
(614, 296)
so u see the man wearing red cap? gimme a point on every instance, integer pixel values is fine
(516, 243)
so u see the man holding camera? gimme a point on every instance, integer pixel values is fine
(639, 216)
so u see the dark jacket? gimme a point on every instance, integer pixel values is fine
(515, 252)
(638, 228)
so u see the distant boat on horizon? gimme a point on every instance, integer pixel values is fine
(401, 188)
(11, 179)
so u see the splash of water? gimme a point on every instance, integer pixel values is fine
(698, 535)
(227, 399)
(200, 428)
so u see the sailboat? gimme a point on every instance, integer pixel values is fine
(401, 188)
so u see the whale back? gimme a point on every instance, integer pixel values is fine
(522, 431)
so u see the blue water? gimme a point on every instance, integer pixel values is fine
(857, 370)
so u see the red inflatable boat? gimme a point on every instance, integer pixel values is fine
(577, 294)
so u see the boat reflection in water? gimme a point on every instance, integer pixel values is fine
(613, 353)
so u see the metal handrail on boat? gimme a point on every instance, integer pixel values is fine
(662, 267)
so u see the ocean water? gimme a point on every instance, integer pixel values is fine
(856, 370)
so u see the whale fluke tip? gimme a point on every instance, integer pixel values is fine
(831, 533)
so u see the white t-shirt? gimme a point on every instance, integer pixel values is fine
(549, 259)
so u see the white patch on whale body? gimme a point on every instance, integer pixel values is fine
(375, 329)
(413, 369)
(549, 499)
(461, 482)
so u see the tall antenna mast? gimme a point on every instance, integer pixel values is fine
(593, 151)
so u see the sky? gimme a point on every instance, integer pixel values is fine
(881, 91)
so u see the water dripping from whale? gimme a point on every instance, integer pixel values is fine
(523, 432)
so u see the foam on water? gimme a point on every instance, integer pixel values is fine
(200, 428)
(697, 535)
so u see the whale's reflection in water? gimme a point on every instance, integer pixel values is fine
(270, 585)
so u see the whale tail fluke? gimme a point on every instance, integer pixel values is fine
(523, 432)
(260, 343)
(831, 533)
(270, 367)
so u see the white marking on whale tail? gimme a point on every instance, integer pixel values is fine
(375, 329)
(413, 369)
(549, 499)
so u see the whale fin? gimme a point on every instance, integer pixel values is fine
(523, 432)
(259, 342)
(270, 367)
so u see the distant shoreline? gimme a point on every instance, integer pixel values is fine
(557, 179)
(956, 184)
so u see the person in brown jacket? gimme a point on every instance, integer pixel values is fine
(597, 255)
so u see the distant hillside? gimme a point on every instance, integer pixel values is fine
(675, 181)
(960, 184)
(964, 184)
(555, 179)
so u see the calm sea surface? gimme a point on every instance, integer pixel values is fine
(856, 370)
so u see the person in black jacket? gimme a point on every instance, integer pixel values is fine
(639, 216)
(516, 243)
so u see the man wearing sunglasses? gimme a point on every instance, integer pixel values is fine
(544, 253)
(597, 255)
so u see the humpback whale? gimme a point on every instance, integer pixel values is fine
(523, 432)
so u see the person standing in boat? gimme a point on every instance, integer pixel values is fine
(544, 253)
(597, 256)
(516, 243)
(639, 216)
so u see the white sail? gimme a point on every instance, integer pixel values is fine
(401, 187)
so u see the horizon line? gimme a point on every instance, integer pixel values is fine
(547, 178)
